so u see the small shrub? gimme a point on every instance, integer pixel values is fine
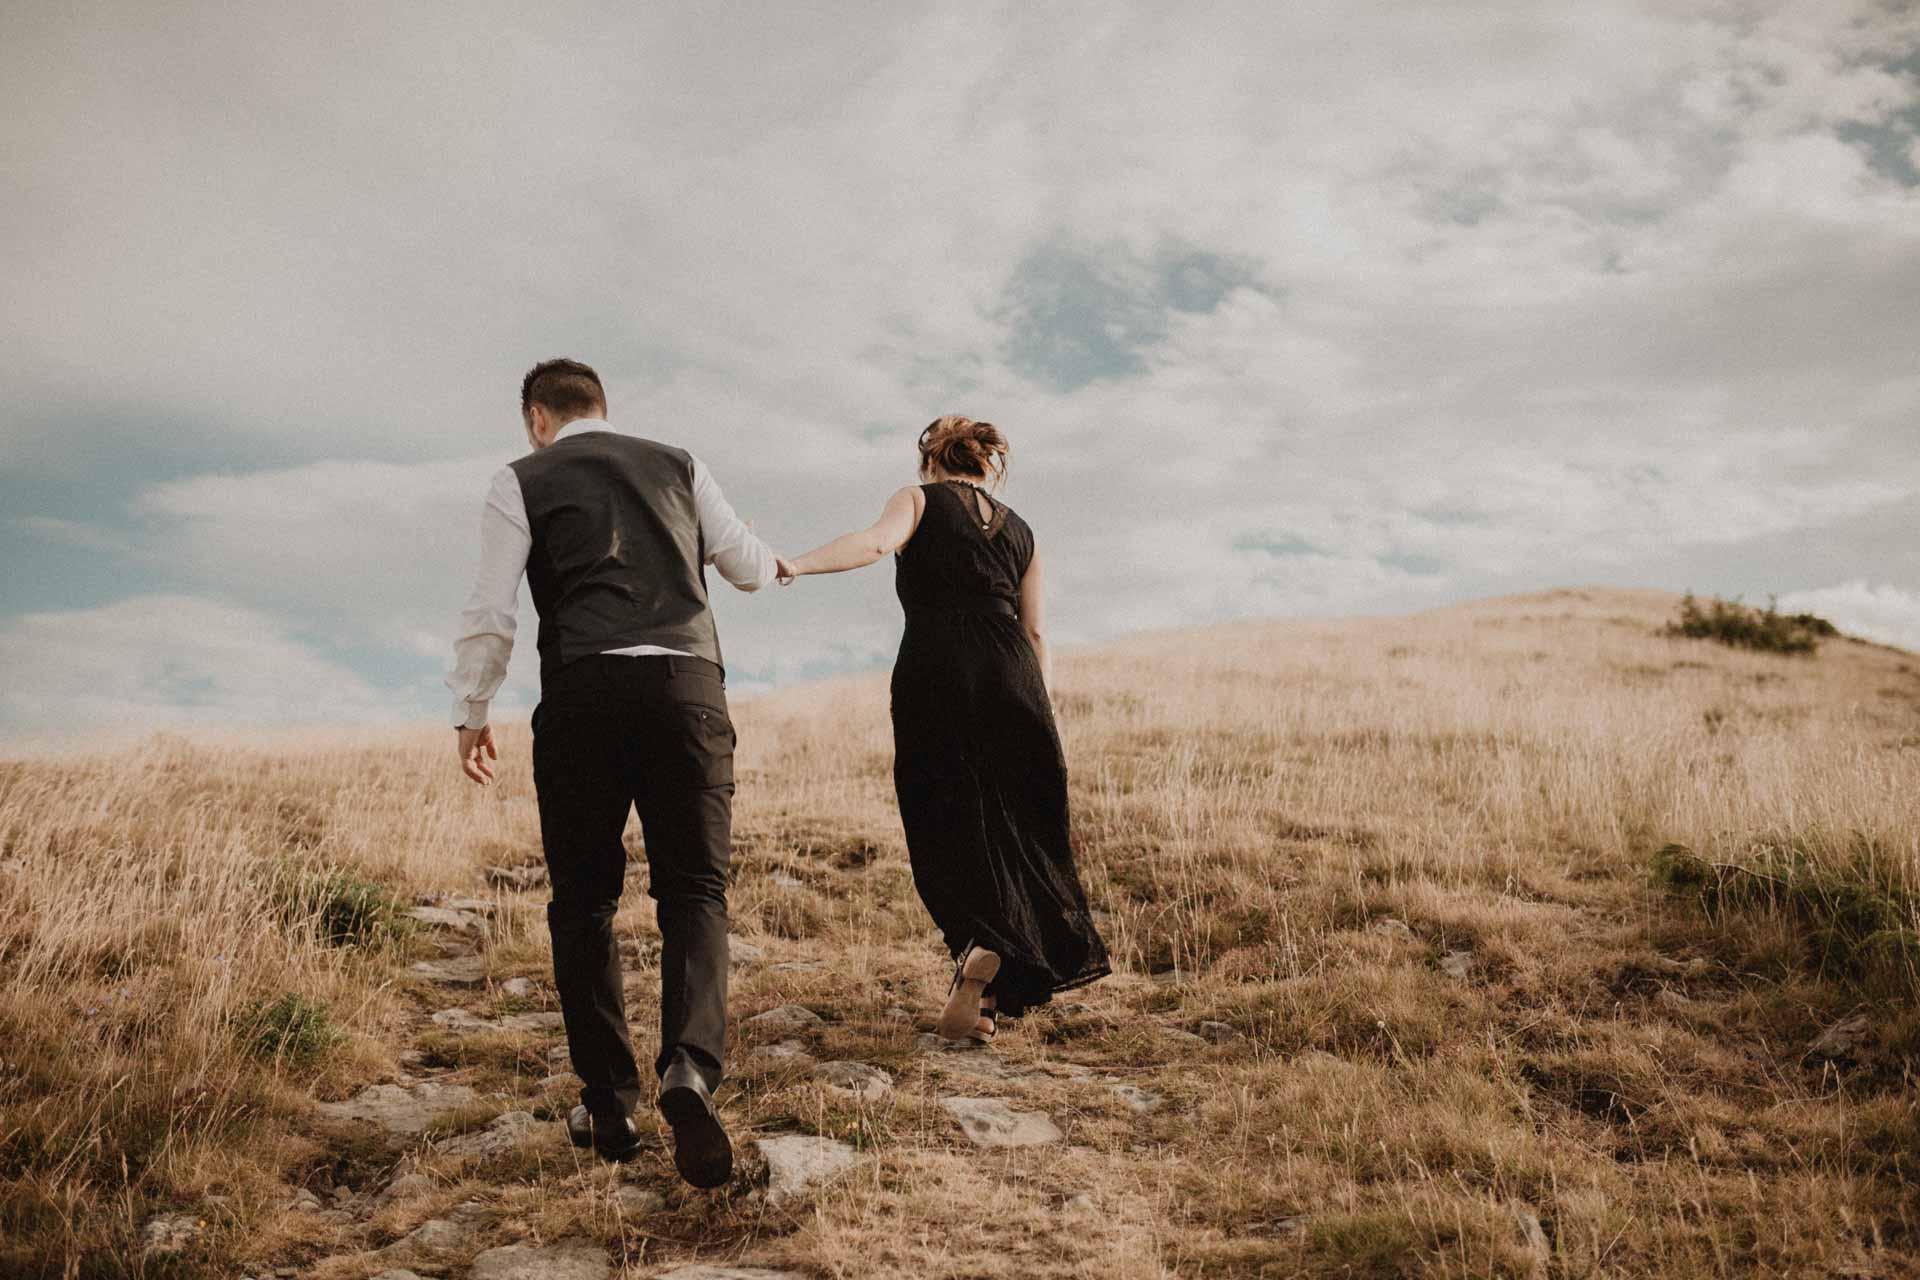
(1743, 627)
(343, 908)
(1855, 918)
(289, 1028)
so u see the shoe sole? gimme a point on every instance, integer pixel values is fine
(962, 1013)
(701, 1151)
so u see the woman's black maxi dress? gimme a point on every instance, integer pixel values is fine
(978, 768)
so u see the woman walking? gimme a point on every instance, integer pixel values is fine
(978, 768)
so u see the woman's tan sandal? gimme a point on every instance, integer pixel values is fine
(971, 975)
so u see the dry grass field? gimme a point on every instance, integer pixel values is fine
(1409, 981)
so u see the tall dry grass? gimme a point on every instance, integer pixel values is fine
(1620, 1056)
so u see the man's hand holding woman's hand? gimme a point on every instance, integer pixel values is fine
(785, 571)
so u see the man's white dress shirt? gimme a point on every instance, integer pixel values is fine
(487, 623)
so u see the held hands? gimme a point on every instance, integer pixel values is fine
(476, 748)
(785, 571)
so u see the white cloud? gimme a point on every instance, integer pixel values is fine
(1884, 613)
(169, 661)
(1505, 290)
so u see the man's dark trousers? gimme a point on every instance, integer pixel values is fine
(651, 732)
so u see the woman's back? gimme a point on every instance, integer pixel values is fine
(956, 560)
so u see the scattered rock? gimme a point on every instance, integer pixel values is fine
(1697, 967)
(459, 970)
(1843, 1039)
(707, 1271)
(1180, 1036)
(1079, 1202)
(784, 1050)
(404, 1186)
(560, 1080)
(1533, 1239)
(520, 988)
(448, 918)
(782, 880)
(1218, 1032)
(397, 1108)
(461, 902)
(468, 1020)
(797, 1162)
(527, 877)
(303, 1201)
(854, 1079)
(574, 1258)
(1136, 1098)
(435, 1235)
(168, 1233)
(1457, 964)
(397, 1274)
(800, 966)
(786, 1017)
(503, 1133)
(989, 1122)
(1392, 928)
(898, 1013)
(740, 951)
(638, 1201)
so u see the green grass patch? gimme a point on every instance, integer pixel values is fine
(1853, 912)
(342, 908)
(288, 1028)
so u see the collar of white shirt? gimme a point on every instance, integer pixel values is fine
(583, 424)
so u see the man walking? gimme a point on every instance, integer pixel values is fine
(614, 533)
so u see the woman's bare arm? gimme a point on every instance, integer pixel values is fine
(889, 533)
(1033, 617)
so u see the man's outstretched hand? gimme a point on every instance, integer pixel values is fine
(784, 571)
(476, 748)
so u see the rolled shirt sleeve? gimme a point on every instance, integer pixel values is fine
(485, 641)
(732, 548)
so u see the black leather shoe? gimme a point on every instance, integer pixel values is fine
(610, 1140)
(701, 1151)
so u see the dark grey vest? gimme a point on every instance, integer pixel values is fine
(617, 556)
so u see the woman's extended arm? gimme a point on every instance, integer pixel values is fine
(1033, 616)
(890, 532)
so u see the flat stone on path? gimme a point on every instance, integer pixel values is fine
(435, 1235)
(796, 1163)
(450, 918)
(464, 971)
(574, 1258)
(707, 1271)
(168, 1233)
(989, 1122)
(400, 1108)
(519, 988)
(855, 1079)
(786, 1017)
(782, 1051)
(504, 1133)
(468, 1020)
(1136, 1098)
(740, 951)
(527, 877)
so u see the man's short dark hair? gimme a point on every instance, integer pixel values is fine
(566, 388)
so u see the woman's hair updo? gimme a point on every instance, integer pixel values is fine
(962, 447)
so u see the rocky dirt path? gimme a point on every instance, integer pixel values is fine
(435, 1170)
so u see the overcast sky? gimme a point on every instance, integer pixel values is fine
(1288, 310)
